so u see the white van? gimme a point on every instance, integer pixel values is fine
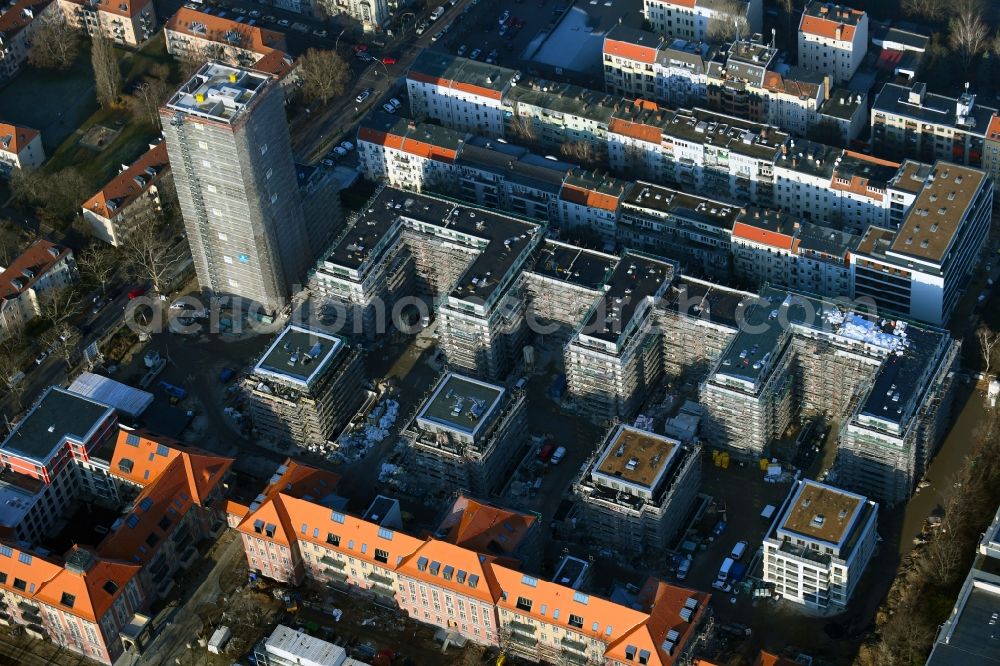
(437, 13)
(558, 455)
(727, 564)
(738, 550)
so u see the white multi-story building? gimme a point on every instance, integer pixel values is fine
(817, 550)
(34, 276)
(20, 148)
(113, 210)
(911, 122)
(589, 200)
(832, 40)
(920, 270)
(695, 19)
(401, 153)
(459, 93)
(18, 21)
(128, 23)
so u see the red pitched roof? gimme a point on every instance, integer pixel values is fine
(124, 188)
(628, 50)
(828, 19)
(256, 39)
(764, 237)
(589, 198)
(37, 259)
(639, 131)
(15, 138)
(128, 8)
(15, 17)
(485, 528)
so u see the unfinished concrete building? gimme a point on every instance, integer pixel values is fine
(615, 358)
(638, 489)
(887, 381)
(465, 436)
(561, 285)
(462, 261)
(697, 320)
(305, 388)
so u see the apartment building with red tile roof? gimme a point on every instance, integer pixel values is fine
(196, 35)
(465, 592)
(20, 146)
(832, 39)
(125, 22)
(40, 271)
(171, 496)
(691, 19)
(112, 210)
(18, 22)
(510, 536)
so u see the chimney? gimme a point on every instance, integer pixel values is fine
(840, 32)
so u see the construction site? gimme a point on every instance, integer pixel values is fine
(304, 389)
(630, 324)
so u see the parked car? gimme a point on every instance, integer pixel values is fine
(683, 568)
(475, 54)
(327, 162)
(559, 455)
(41, 358)
(738, 550)
(358, 48)
(283, 23)
(347, 145)
(389, 60)
(462, 49)
(320, 33)
(363, 95)
(545, 453)
(340, 151)
(395, 102)
(136, 293)
(504, 16)
(270, 18)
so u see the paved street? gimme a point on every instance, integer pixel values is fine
(185, 622)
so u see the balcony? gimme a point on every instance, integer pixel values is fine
(332, 562)
(378, 579)
(522, 628)
(525, 641)
(576, 646)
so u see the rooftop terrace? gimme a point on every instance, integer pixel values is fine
(218, 92)
(298, 355)
(821, 512)
(635, 457)
(460, 404)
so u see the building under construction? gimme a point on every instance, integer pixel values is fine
(462, 261)
(638, 489)
(305, 388)
(465, 436)
(615, 357)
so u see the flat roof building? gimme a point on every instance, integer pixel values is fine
(817, 550)
(638, 489)
(304, 388)
(465, 435)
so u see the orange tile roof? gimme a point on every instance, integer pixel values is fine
(38, 258)
(826, 24)
(47, 581)
(993, 129)
(20, 136)
(275, 62)
(870, 158)
(768, 659)
(429, 151)
(688, 4)
(665, 603)
(445, 555)
(127, 8)
(302, 481)
(629, 50)
(259, 40)
(457, 85)
(764, 237)
(635, 130)
(123, 189)
(590, 198)
(202, 470)
(13, 20)
(485, 528)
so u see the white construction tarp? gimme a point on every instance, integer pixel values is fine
(124, 398)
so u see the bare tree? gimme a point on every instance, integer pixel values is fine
(13, 355)
(522, 128)
(932, 10)
(107, 73)
(324, 75)
(730, 22)
(98, 263)
(989, 346)
(150, 251)
(11, 243)
(54, 44)
(147, 99)
(968, 35)
(584, 153)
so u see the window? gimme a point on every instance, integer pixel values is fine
(67, 600)
(381, 555)
(524, 604)
(575, 621)
(24, 558)
(132, 439)
(223, 237)
(337, 517)
(20, 584)
(385, 533)
(6, 551)
(332, 539)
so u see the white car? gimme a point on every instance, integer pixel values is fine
(476, 53)
(389, 108)
(347, 145)
(365, 94)
(462, 49)
(504, 17)
(558, 455)
(327, 162)
(340, 151)
(283, 23)
(395, 102)
(41, 358)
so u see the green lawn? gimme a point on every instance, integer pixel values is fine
(55, 102)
